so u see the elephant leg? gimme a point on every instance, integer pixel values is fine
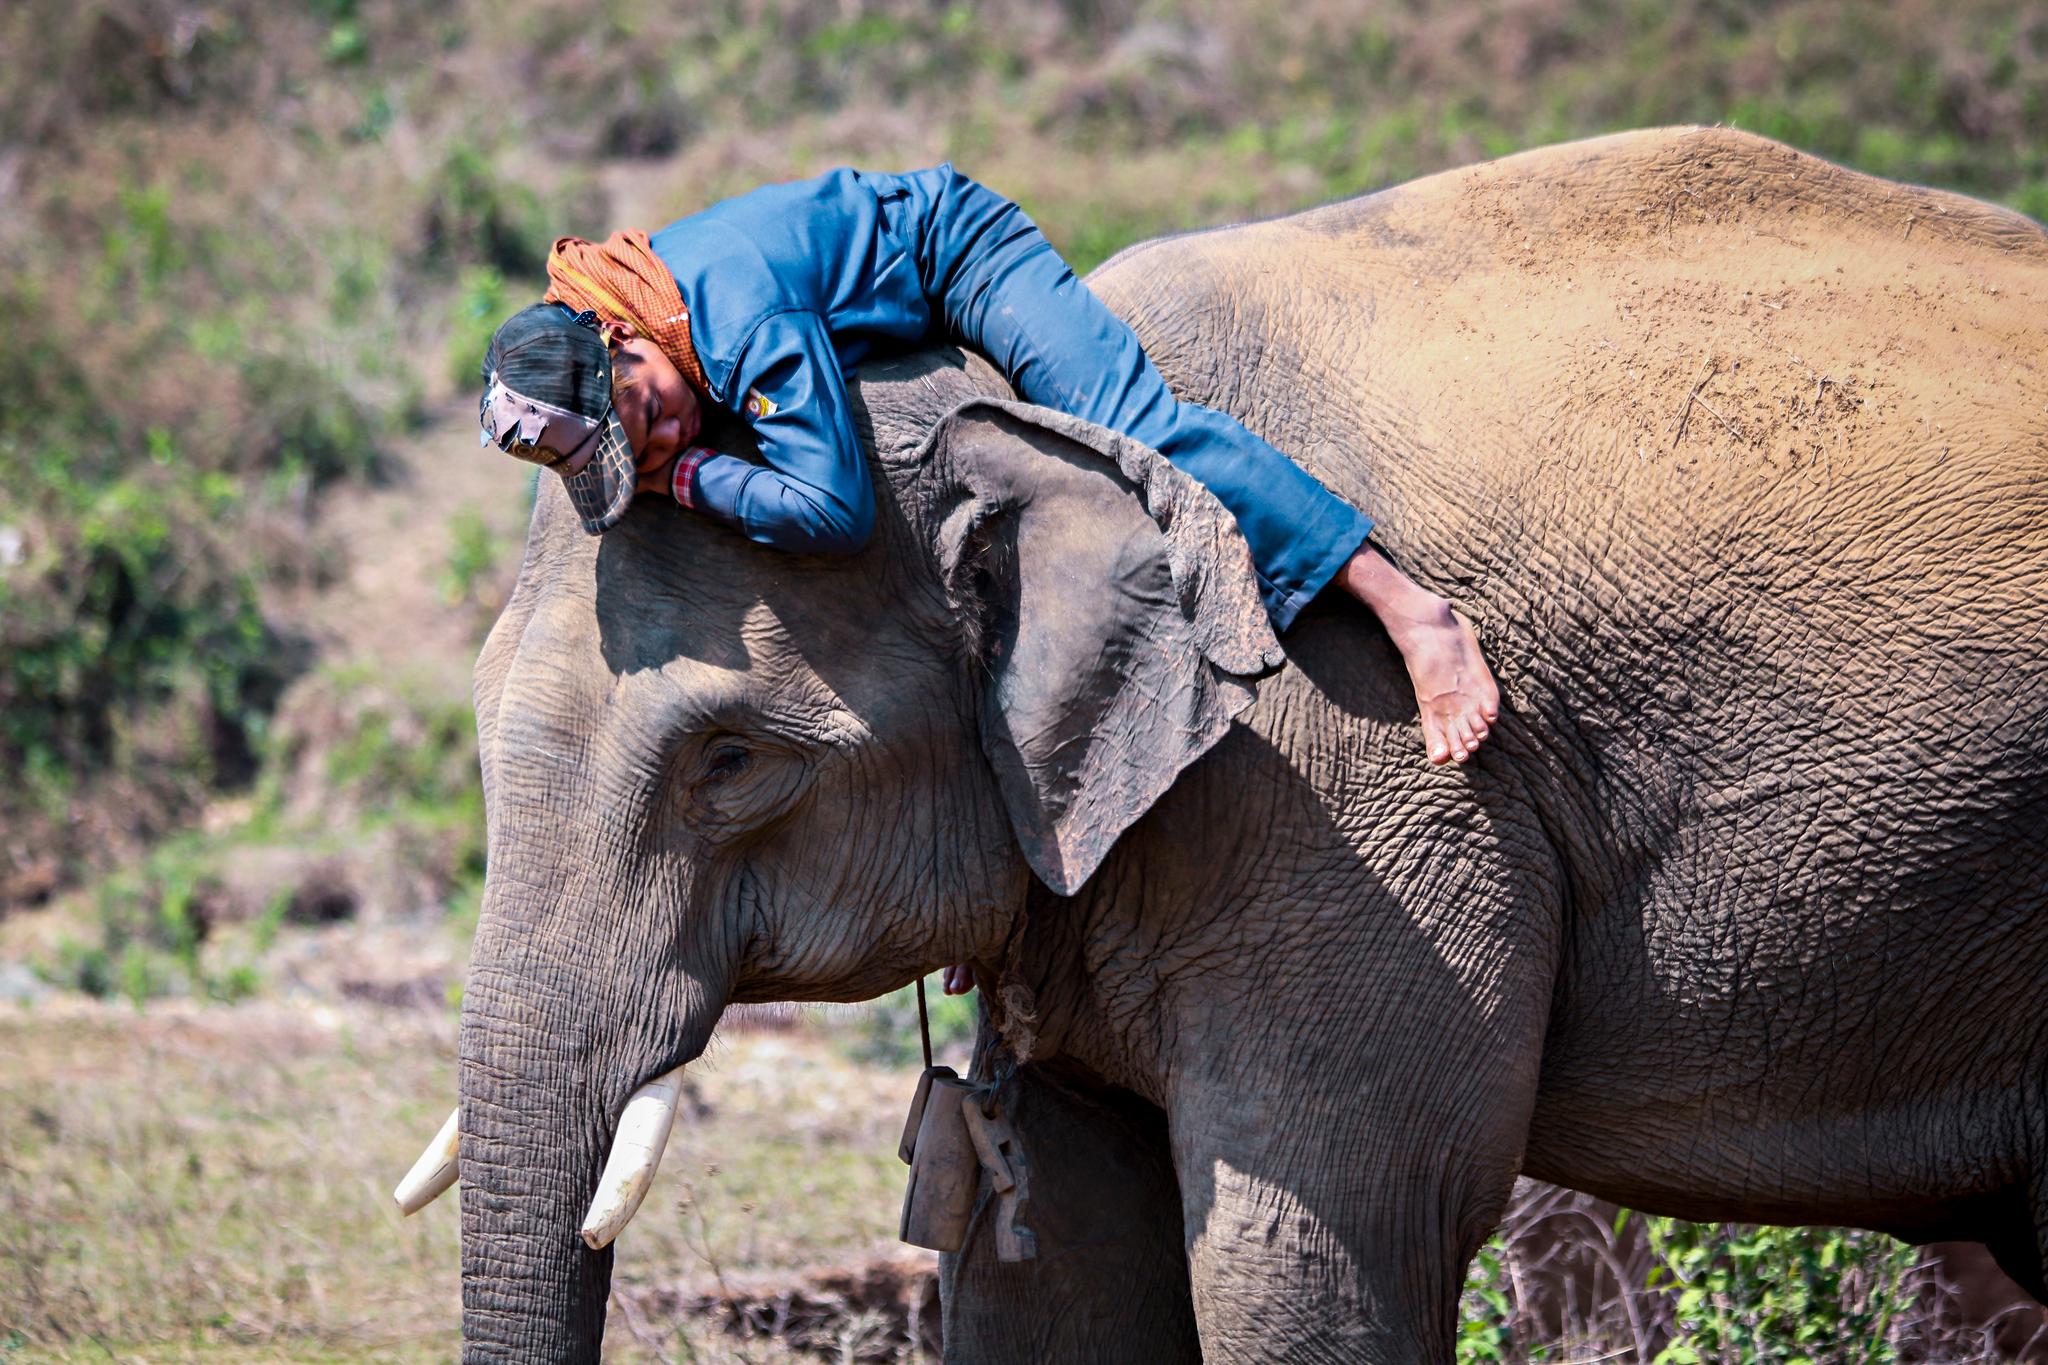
(1334, 1196)
(2013, 1227)
(2026, 1259)
(1277, 1277)
(1109, 1281)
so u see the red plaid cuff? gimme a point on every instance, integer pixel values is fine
(684, 473)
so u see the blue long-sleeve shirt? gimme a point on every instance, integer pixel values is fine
(789, 287)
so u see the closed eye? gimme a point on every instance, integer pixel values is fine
(725, 761)
(726, 784)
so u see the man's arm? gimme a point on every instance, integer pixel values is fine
(813, 496)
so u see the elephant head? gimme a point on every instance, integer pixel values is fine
(715, 773)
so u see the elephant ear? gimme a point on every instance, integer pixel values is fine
(1113, 618)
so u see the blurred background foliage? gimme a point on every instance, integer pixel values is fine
(249, 255)
(249, 247)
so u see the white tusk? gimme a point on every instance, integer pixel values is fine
(636, 1156)
(434, 1172)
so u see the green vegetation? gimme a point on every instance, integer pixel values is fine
(886, 1031)
(152, 924)
(472, 555)
(1778, 1294)
(286, 232)
(1673, 1293)
(396, 774)
(481, 303)
(159, 456)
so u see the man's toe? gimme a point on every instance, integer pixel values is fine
(1433, 739)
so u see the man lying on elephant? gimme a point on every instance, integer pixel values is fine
(765, 302)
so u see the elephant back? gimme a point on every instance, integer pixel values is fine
(1648, 382)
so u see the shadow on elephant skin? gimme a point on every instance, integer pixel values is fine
(1343, 1003)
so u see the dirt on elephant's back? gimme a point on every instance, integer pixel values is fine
(1686, 323)
(1722, 289)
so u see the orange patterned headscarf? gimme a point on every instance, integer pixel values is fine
(622, 280)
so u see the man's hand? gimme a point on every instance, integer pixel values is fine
(654, 476)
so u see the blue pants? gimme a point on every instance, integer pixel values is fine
(995, 283)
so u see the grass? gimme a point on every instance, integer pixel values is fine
(192, 1183)
(211, 1184)
(204, 1183)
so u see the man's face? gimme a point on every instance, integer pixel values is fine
(658, 408)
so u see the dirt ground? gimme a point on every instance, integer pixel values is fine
(391, 606)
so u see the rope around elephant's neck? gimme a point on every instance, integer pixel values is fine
(924, 1025)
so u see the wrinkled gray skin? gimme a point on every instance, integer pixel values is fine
(1740, 914)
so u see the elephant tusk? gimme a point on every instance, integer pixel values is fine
(434, 1172)
(636, 1155)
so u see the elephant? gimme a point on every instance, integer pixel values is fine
(1739, 462)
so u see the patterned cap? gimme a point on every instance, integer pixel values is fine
(548, 400)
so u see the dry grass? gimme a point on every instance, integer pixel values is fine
(209, 1185)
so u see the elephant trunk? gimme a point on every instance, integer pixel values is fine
(532, 1144)
(588, 990)
(571, 1071)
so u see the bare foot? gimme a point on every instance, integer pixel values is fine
(1454, 689)
(958, 980)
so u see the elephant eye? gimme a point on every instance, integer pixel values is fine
(737, 783)
(725, 761)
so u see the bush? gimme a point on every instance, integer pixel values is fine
(150, 925)
(305, 421)
(474, 552)
(396, 796)
(481, 303)
(1569, 1277)
(158, 462)
(479, 215)
(126, 635)
(1747, 1295)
